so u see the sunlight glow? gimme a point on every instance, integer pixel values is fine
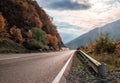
(100, 13)
(99, 6)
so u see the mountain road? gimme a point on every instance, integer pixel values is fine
(33, 67)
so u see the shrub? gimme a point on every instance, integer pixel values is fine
(40, 36)
(39, 40)
(9, 46)
(105, 44)
(32, 44)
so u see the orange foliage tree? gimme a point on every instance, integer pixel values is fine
(53, 41)
(16, 32)
(2, 23)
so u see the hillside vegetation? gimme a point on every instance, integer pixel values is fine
(105, 50)
(9, 46)
(25, 23)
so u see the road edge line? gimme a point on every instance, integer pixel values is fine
(60, 74)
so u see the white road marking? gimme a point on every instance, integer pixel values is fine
(60, 74)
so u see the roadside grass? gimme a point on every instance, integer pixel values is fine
(113, 64)
(106, 51)
(112, 60)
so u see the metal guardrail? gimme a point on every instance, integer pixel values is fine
(99, 68)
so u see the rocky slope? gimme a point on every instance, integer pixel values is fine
(18, 17)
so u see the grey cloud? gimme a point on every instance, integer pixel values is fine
(65, 5)
(68, 5)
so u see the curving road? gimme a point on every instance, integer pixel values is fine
(32, 68)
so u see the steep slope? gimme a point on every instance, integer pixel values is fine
(112, 28)
(19, 17)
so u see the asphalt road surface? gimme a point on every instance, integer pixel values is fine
(32, 68)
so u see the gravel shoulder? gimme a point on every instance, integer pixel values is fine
(81, 73)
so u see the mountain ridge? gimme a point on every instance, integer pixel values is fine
(112, 28)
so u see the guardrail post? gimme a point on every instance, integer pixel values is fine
(98, 67)
(102, 73)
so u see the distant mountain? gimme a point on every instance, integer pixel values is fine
(112, 28)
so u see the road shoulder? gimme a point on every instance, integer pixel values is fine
(79, 73)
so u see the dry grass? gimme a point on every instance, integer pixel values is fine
(112, 60)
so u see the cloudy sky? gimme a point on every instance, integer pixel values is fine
(76, 17)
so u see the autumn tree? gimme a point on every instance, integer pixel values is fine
(53, 41)
(16, 33)
(105, 44)
(2, 22)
